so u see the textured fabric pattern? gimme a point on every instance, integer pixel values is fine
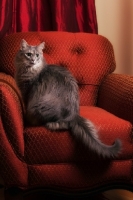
(13, 170)
(11, 116)
(80, 176)
(9, 80)
(43, 146)
(75, 51)
(116, 95)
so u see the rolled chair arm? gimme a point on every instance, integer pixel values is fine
(116, 95)
(11, 113)
(13, 167)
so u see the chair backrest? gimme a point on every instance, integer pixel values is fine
(89, 57)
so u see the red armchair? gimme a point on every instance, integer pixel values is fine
(34, 157)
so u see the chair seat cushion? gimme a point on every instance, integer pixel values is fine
(43, 146)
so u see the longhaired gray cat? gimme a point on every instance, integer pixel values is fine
(50, 94)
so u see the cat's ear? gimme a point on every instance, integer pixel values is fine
(23, 44)
(41, 46)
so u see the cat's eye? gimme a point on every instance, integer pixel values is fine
(28, 54)
(37, 55)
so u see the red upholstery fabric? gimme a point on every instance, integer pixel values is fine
(11, 113)
(52, 149)
(32, 157)
(116, 95)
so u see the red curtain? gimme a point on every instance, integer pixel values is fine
(47, 15)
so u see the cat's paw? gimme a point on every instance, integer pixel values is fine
(52, 125)
(57, 125)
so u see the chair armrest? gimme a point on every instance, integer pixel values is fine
(11, 114)
(116, 95)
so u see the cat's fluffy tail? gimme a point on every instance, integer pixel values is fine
(84, 130)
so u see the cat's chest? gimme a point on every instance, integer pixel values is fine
(36, 66)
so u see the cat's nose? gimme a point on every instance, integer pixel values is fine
(32, 61)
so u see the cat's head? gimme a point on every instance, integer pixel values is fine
(29, 59)
(31, 55)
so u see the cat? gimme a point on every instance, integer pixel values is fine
(50, 95)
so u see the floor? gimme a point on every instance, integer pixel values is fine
(119, 195)
(1, 194)
(111, 195)
(1, 190)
